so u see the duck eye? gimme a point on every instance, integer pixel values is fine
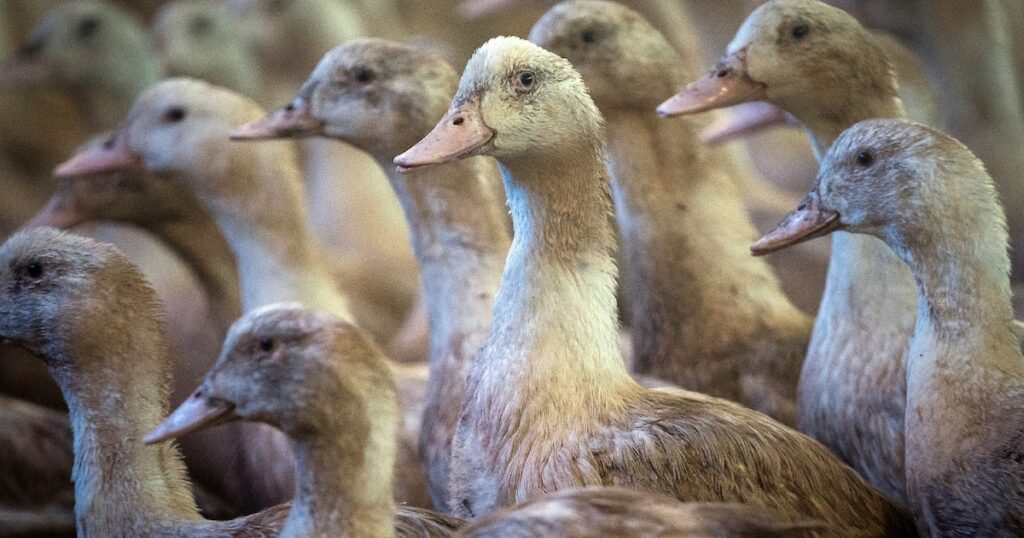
(525, 80)
(266, 343)
(87, 28)
(34, 270)
(589, 36)
(800, 31)
(364, 75)
(174, 114)
(865, 159)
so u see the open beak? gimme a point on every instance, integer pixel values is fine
(114, 155)
(460, 133)
(59, 213)
(17, 71)
(195, 413)
(294, 120)
(726, 85)
(744, 119)
(807, 221)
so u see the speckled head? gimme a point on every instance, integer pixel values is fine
(624, 60)
(515, 99)
(288, 366)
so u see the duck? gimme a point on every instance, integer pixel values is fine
(112, 367)
(197, 39)
(254, 194)
(353, 212)
(730, 332)
(328, 386)
(906, 184)
(549, 404)
(455, 213)
(852, 391)
(325, 383)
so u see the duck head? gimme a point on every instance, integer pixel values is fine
(378, 95)
(893, 179)
(802, 55)
(625, 62)
(514, 99)
(288, 366)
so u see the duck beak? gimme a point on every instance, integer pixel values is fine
(294, 120)
(59, 212)
(196, 413)
(726, 85)
(744, 119)
(18, 71)
(807, 221)
(461, 133)
(114, 155)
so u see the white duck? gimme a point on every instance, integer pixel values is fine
(549, 404)
(933, 203)
(829, 72)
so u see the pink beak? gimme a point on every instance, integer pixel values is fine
(195, 413)
(461, 133)
(112, 156)
(17, 71)
(807, 221)
(293, 120)
(57, 213)
(726, 85)
(744, 119)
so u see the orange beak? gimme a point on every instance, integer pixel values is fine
(744, 119)
(294, 120)
(114, 155)
(726, 85)
(807, 221)
(196, 413)
(461, 133)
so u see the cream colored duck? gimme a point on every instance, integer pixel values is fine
(259, 456)
(549, 404)
(253, 192)
(704, 316)
(352, 210)
(323, 382)
(933, 203)
(382, 97)
(830, 73)
(87, 312)
(198, 39)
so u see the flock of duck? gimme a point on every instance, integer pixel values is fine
(397, 358)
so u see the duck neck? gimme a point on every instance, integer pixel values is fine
(119, 481)
(825, 124)
(680, 213)
(460, 239)
(196, 239)
(343, 477)
(264, 222)
(555, 314)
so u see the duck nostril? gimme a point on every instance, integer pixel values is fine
(458, 121)
(109, 143)
(722, 73)
(290, 107)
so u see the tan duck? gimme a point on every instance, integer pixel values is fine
(253, 192)
(704, 316)
(85, 310)
(549, 404)
(326, 385)
(830, 73)
(933, 203)
(456, 212)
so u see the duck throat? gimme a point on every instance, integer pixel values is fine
(119, 481)
(555, 315)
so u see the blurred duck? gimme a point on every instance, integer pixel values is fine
(933, 203)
